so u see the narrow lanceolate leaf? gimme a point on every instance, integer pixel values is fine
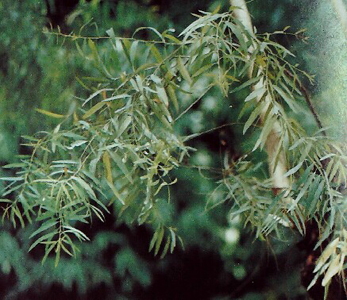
(107, 164)
(78, 233)
(333, 269)
(183, 70)
(328, 251)
(124, 125)
(116, 158)
(202, 70)
(159, 240)
(293, 170)
(238, 35)
(76, 144)
(85, 186)
(95, 94)
(166, 247)
(173, 240)
(258, 93)
(14, 165)
(163, 96)
(156, 54)
(303, 190)
(133, 51)
(122, 96)
(50, 114)
(115, 192)
(173, 97)
(172, 38)
(12, 178)
(48, 224)
(246, 84)
(254, 115)
(316, 197)
(93, 110)
(151, 29)
(287, 98)
(46, 237)
(268, 127)
(153, 241)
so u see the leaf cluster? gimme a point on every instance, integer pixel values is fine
(121, 144)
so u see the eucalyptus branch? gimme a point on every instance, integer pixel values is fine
(75, 37)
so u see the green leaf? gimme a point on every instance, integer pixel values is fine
(334, 170)
(95, 94)
(76, 144)
(107, 164)
(156, 54)
(122, 96)
(154, 239)
(268, 126)
(151, 29)
(183, 70)
(78, 233)
(173, 97)
(317, 194)
(246, 84)
(326, 254)
(93, 110)
(11, 178)
(258, 94)
(57, 255)
(254, 115)
(50, 114)
(303, 178)
(46, 237)
(46, 225)
(334, 267)
(173, 240)
(172, 38)
(163, 96)
(48, 250)
(311, 193)
(116, 158)
(303, 190)
(124, 125)
(202, 70)
(293, 170)
(288, 99)
(239, 35)
(166, 248)
(115, 192)
(133, 51)
(6, 200)
(85, 186)
(111, 33)
(159, 240)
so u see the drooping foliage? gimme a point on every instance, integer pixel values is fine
(116, 151)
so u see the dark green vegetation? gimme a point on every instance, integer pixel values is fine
(120, 134)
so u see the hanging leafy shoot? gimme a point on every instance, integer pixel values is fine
(117, 150)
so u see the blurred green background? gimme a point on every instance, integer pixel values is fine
(221, 260)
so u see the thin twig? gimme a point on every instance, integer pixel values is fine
(309, 102)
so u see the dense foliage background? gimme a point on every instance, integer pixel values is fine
(221, 260)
